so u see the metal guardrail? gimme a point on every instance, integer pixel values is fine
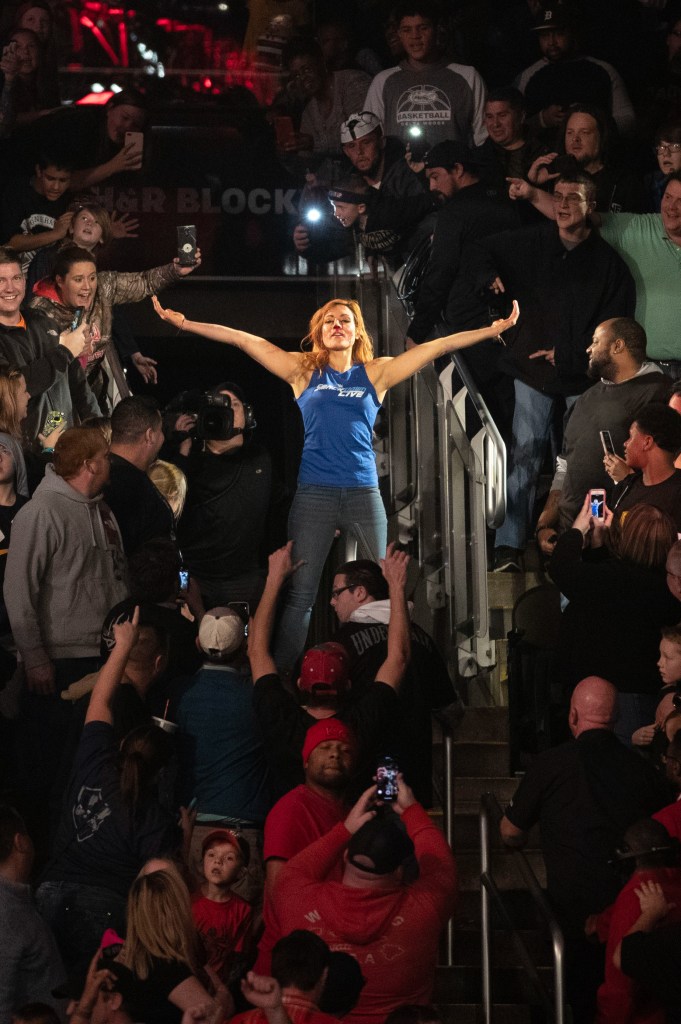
(490, 811)
(446, 795)
(494, 462)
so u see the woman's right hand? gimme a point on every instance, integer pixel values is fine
(169, 315)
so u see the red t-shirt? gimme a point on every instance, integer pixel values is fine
(223, 929)
(670, 817)
(620, 999)
(297, 820)
(393, 933)
(298, 1010)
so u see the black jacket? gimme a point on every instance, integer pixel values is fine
(446, 290)
(563, 294)
(223, 524)
(611, 627)
(54, 379)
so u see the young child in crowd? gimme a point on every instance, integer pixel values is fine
(669, 664)
(223, 919)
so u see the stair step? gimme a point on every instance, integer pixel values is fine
(483, 724)
(504, 588)
(518, 903)
(473, 1013)
(471, 787)
(463, 984)
(467, 947)
(491, 758)
(504, 869)
(467, 828)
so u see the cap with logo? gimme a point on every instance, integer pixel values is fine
(554, 15)
(225, 835)
(326, 729)
(358, 125)
(325, 670)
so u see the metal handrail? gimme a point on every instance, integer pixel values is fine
(447, 810)
(494, 449)
(490, 809)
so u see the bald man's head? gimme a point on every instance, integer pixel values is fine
(593, 705)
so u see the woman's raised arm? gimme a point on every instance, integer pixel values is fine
(386, 373)
(286, 365)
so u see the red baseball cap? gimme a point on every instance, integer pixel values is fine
(326, 729)
(325, 670)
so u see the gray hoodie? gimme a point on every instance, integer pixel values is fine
(65, 570)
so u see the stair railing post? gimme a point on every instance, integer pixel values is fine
(484, 914)
(448, 822)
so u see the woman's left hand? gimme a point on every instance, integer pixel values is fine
(171, 316)
(184, 271)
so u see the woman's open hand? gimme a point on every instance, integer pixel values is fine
(510, 321)
(169, 315)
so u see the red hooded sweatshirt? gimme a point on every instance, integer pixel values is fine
(393, 933)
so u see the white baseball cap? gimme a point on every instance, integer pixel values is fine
(358, 125)
(221, 631)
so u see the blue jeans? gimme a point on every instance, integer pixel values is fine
(532, 419)
(316, 513)
(79, 915)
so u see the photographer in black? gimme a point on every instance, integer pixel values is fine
(224, 522)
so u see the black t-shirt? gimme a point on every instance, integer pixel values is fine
(665, 496)
(141, 512)
(654, 960)
(374, 716)
(151, 994)
(23, 210)
(98, 842)
(584, 794)
(426, 685)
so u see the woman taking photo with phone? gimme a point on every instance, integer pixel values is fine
(76, 290)
(339, 387)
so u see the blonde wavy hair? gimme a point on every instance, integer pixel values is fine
(10, 384)
(159, 924)
(317, 356)
(171, 482)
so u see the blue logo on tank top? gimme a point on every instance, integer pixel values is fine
(342, 392)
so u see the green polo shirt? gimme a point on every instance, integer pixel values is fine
(655, 264)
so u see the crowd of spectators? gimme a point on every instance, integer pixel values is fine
(196, 806)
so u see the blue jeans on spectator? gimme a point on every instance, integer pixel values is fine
(532, 419)
(79, 915)
(316, 513)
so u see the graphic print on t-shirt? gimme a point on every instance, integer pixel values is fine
(353, 392)
(89, 811)
(423, 105)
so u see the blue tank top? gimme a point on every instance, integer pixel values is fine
(339, 411)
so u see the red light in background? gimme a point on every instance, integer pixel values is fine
(95, 99)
